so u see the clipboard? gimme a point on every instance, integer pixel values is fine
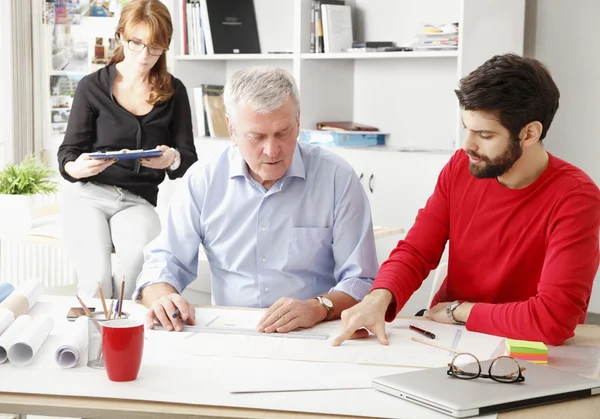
(127, 154)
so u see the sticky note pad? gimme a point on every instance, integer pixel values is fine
(535, 352)
(525, 346)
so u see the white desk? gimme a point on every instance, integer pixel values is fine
(64, 395)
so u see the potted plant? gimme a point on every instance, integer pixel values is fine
(19, 183)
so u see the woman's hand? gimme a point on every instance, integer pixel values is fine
(85, 167)
(163, 162)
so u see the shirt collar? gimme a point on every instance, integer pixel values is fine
(238, 166)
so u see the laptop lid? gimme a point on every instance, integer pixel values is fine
(434, 389)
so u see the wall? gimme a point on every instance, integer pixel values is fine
(561, 35)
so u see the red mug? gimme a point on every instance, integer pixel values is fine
(122, 348)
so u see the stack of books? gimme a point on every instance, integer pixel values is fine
(437, 37)
(535, 352)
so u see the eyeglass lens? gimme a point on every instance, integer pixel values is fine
(138, 46)
(465, 366)
(505, 369)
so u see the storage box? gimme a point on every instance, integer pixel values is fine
(343, 138)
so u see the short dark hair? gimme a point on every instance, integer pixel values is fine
(518, 90)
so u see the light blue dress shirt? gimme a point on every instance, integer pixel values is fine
(309, 234)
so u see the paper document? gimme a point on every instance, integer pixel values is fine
(11, 335)
(5, 290)
(6, 319)
(23, 297)
(73, 344)
(31, 339)
(310, 376)
(401, 351)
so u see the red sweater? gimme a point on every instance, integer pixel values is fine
(527, 257)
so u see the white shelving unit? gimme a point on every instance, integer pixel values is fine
(407, 94)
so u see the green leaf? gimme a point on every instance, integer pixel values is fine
(28, 177)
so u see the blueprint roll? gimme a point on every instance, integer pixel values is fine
(30, 340)
(6, 319)
(73, 343)
(23, 297)
(5, 290)
(10, 336)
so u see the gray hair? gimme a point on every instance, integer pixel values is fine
(264, 89)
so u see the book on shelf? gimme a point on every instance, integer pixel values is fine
(191, 32)
(214, 111)
(316, 24)
(337, 28)
(229, 26)
(344, 126)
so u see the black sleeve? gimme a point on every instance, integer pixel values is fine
(182, 136)
(81, 130)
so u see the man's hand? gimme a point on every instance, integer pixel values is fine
(368, 314)
(438, 313)
(163, 162)
(85, 167)
(288, 314)
(163, 300)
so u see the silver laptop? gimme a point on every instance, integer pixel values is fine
(460, 398)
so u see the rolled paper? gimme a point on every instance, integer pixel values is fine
(6, 319)
(5, 290)
(12, 334)
(73, 344)
(30, 341)
(23, 297)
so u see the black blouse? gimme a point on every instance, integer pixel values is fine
(98, 123)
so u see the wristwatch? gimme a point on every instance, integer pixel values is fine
(327, 303)
(450, 311)
(176, 161)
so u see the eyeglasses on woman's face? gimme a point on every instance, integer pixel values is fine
(137, 46)
(504, 369)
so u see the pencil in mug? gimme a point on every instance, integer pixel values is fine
(106, 312)
(110, 310)
(121, 298)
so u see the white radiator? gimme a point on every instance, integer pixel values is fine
(22, 258)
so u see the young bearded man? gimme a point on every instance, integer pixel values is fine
(522, 224)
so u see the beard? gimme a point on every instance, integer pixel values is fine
(488, 168)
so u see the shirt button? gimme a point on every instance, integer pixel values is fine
(267, 289)
(263, 229)
(264, 260)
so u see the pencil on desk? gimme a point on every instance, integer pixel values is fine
(435, 345)
(121, 298)
(103, 301)
(87, 310)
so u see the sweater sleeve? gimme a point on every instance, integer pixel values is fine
(565, 286)
(414, 257)
(81, 130)
(182, 135)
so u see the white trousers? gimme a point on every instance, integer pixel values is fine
(97, 219)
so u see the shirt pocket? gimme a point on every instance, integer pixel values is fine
(310, 249)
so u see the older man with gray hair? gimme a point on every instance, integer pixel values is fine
(284, 225)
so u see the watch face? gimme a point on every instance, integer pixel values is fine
(327, 302)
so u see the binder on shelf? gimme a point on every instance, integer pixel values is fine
(342, 138)
(214, 109)
(229, 26)
(344, 126)
(337, 28)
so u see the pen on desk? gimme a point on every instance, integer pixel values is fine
(421, 331)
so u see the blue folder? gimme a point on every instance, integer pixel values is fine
(5, 290)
